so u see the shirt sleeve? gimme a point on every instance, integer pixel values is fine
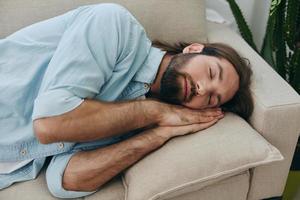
(94, 42)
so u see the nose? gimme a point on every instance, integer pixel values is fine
(200, 89)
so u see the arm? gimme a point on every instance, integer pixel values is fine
(94, 120)
(103, 164)
(109, 44)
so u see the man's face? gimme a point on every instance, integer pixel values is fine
(204, 82)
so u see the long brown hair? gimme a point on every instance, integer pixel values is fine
(242, 102)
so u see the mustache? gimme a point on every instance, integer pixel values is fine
(192, 84)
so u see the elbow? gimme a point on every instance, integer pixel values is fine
(43, 129)
(80, 183)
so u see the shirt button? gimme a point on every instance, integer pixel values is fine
(146, 85)
(61, 145)
(23, 152)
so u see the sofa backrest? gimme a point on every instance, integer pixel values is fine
(168, 20)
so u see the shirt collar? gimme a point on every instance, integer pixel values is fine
(148, 71)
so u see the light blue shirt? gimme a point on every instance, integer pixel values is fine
(49, 68)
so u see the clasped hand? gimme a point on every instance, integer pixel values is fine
(178, 120)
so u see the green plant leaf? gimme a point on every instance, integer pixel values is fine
(279, 44)
(291, 25)
(274, 6)
(242, 24)
(295, 63)
(267, 46)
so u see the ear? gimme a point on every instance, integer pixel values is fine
(193, 48)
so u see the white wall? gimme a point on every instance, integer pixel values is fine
(255, 12)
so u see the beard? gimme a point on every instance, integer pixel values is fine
(171, 90)
(171, 87)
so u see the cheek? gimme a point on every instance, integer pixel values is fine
(196, 103)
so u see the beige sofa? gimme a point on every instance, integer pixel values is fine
(183, 168)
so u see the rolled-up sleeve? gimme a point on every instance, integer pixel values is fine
(94, 42)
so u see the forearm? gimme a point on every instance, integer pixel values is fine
(94, 120)
(103, 164)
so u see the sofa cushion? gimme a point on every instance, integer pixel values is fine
(191, 162)
(233, 188)
(162, 19)
(37, 189)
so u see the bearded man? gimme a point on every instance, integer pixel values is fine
(90, 87)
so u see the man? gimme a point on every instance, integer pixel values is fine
(74, 86)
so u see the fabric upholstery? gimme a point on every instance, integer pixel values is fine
(276, 114)
(37, 189)
(233, 188)
(189, 163)
(114, 190)
(162, 19)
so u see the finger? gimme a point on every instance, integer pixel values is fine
(209, 109)
(220, 116)
(212, 109)
(202, 126)
(206, 125)
(208, 118)
(193, 128)
(212, 112)
(207, 113)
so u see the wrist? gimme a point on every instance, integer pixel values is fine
(163, 134)
(152, 137)
(154, 110)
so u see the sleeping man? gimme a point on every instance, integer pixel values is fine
(90, 87)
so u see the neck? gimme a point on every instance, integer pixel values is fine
(155, 87)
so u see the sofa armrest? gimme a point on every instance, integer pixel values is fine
(276, 114)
